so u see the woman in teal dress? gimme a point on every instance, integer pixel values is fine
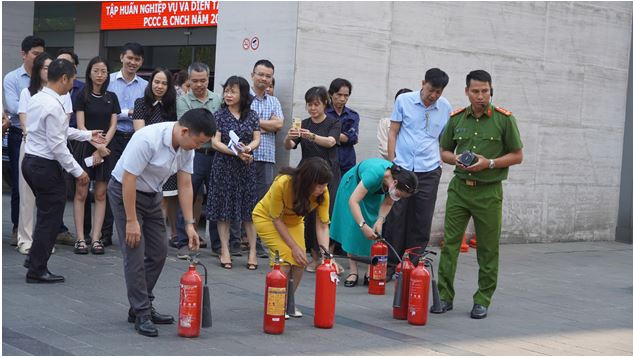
(361, 205)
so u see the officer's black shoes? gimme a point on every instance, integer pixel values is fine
(156, 317)
(144, 326)
(478, 311)
(46, 277)
(444, 307)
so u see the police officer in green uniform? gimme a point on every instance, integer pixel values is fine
(491, 134)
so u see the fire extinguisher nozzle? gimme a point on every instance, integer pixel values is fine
(397, 297)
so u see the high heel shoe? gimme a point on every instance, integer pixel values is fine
(366, 280)
(349, 282)
(226, 265)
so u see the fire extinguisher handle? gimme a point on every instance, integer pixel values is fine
(325, 252)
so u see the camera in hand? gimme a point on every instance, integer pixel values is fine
(468, 158)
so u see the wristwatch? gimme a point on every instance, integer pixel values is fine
(190, 221)
(361, 224)
(491, 165)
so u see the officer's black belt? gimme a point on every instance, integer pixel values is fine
(476, 183)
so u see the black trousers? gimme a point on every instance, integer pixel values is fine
(46, 179)
(409, 221)
(119, 142)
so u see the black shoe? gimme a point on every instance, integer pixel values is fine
(173, 242)
(478, 311)
(216, 252)
(144, 326)
(27, 262)
(235, 250)
(106, 241)
(47, 277)
(203, 244)
(444, 307)
(366, 280)
(156, 317)
(261, 253)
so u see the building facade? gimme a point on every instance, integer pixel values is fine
(562, 68)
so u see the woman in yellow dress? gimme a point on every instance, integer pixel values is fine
(278, 217)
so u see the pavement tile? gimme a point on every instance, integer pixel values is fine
(552, 299)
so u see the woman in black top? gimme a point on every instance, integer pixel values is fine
(96, 109)
(156, 106)
(319, 137)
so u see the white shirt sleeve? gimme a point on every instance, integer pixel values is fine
(56, 141)
(78, 135)
(25, 96)
(67, 103)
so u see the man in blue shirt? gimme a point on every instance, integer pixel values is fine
(417, 122)
(14, 82)
(128, 87)
(340, 90)
(271, 120)
(154, 154)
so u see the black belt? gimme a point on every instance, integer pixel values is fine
(144, 193)
(206, 151)
(477, 183)
(126, 135)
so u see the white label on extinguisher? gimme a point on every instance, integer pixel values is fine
(189, 304)
(334, 277)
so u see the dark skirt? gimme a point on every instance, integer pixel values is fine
(101, 172)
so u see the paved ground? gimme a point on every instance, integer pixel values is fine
(553, 299)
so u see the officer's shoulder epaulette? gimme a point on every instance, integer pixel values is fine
(503, 111)
(458, 111)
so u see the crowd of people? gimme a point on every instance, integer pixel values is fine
(151, 150)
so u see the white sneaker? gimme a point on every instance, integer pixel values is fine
(297, 314)
(24, 248)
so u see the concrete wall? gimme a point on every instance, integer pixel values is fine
(561, 67)
(275, 25)
(17, 23)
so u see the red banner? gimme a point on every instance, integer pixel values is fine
(124, 15)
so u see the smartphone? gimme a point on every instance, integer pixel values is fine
(296, 123)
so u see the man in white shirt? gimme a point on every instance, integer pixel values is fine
(46, 156)
(152, 155)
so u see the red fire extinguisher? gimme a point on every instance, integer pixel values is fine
(190, 308)
(325, 292)
(401, 308)
(419, 294)
(378, 268)
(275, 299)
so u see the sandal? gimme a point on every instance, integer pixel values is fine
(251, 267)
(227, 265)
(80, 247)
(351, 283)
(97, 248)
